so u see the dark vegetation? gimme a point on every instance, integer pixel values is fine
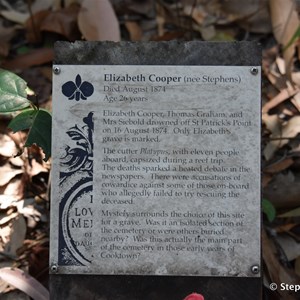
(28, 30)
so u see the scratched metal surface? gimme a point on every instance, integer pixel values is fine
(155, 287)
(179, 199)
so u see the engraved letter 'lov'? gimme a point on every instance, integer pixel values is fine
(77, 90)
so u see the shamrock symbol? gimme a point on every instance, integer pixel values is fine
(77, 90)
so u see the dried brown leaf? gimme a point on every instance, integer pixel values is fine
(279, 166)
(8, 218)
(269, 56)
(33, 26)
(284, 228)
(198, 13)
(7, 146)
(285, 22)
(4, 48)
(36, 168)
(6, 201)
(290, 247)
(297, 266)
(291, 213)
(277, 272)
(134, 30)
(282, 96)
(13, 294)
(283, 191)
(40, 5)
(33, 58)
(291, 128)
(266, 178)
(14, 188)
(6, 34)
(144, 9)
(296, 78)
(58, 4)
(28, 209)
(14, 16)
(252, 15)
(296, 99)
(275, 70)
(7, 173)
(63, 22)
(208, 32)
(287, 112)
(21, 17)
(278, 81)
(25, 283)
(97, 21)
(168, 36)
(17, 236)
(273, 124)
(4, 234)
(281, 65)
(17, 161)
(47, 73)
(39, 259)
(281, 137)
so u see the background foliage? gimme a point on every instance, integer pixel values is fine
(28, 30)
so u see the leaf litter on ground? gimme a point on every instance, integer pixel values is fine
(274, 23)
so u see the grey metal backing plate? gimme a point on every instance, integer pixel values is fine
(151, 287)
(158, 53)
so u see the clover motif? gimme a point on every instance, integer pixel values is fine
(77, 90)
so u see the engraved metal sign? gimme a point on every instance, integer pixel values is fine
(156, 170)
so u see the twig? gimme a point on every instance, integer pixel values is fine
(279, 98)
(7, 255)
(29, 3)
(178, 14)
(191, 15)
(284, 138)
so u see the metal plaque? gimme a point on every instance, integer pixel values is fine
(155, 170)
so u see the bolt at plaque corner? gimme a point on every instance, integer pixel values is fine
(56, 70)
(254, 70)
(54, 269)
(255, 269)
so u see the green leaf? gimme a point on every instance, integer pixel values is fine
(13, 92)
(23, 50)
(269, 209)
(38, 121)
(292, 213)
(293, 39)
(222, 37)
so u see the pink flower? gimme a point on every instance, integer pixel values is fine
(194, 296)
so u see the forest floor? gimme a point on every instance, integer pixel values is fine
(28, 30)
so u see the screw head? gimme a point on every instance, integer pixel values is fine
(254, 70)
(56, 70)
(255, 269)
(54, 269)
